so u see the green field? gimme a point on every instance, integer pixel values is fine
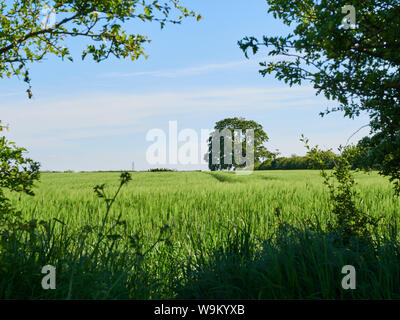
(202, 199)
(207, 216)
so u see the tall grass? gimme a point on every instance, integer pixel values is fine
(200, 235)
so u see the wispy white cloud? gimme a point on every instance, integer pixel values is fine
(122, 113)
(11, 94)
(190, 71)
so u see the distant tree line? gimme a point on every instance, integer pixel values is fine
(294, 162)
(161, 170)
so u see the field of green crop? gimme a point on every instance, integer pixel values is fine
(205, 200)
(218, 225)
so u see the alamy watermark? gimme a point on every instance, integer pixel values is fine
(350, 20)
(48, 14)
(223, 148)
(349, 281)
(49, 280)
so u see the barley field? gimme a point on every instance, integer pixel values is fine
(201, 235)
(201, 199)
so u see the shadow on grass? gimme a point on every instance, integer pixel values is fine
(294, 264)
(267, 178)
(113, 272)
(224, 177)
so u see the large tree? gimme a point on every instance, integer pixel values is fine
(357, 65)
(32, 29)
(233, 131)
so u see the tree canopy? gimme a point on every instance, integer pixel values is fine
(32, 29)
(236, 133)
(358, 67)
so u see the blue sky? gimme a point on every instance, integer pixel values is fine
(90, 116)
